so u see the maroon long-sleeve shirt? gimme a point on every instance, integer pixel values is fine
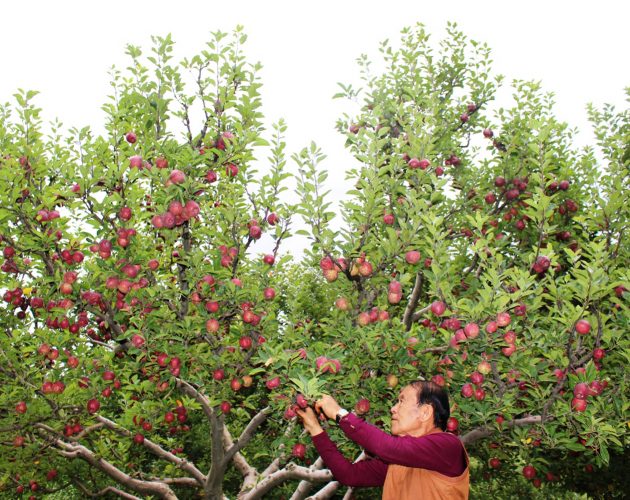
(441, 452)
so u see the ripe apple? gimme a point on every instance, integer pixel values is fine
(452, 424)
(362, 406)
(467, 390)
(93, 406)
(471, 330)
(492, 327)
(272, 219)
(438, 308)
(131, 137)
(529, 472)
(218, 374)
(225, 407)
(342, 304)
(21, 407)
(412, 257)
(365, 269)
(298, 451)
(388, 219)
(245, 342)
(413, 163)
(484, 367)
(495, 463)
(476, 378)
(269, 259)
(273, 383)
(138, 438)
(509, 350)
(136, 162)
(582, 326)
(510, 337)
(248, 381)
(177, 176)
(301, 401)
(503, 319)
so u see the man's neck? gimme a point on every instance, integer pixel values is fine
(429, 429)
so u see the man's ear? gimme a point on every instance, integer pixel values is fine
(426, 413)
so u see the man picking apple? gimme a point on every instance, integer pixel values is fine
(418, 459)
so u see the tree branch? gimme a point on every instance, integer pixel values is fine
(247, 434)
(157, 450)
(104, 491)
(484, 432)
(291, 471)
(413, 301)
(145, 487)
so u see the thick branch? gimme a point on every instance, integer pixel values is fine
(157, 450)
(200, 398)
(291, 471)
(144, 487)
(305, 486)
(246, 435)
(413, 301)
(248, 472)
(484, 432)
(104, 491)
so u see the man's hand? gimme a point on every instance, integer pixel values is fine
(309, 420)
(328, 405)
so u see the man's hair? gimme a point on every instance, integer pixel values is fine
(432, 394)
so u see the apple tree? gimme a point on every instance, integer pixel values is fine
(138, 285)
(481, 249)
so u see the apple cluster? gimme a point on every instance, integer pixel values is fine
(176, 214)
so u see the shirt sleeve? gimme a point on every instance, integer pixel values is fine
(442, 452)
(369, 472)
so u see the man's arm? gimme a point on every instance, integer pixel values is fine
(369, 472)
(441, 452)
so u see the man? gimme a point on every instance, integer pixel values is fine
(418, 461)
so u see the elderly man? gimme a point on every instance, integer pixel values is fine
(417, 461)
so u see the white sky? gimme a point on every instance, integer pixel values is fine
(579, 49)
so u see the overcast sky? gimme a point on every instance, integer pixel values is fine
(578, 49)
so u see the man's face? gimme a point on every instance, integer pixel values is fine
(406, 414)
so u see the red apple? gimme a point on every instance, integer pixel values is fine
(93, 405)
(438, 308)
(529, 472)
(298, 451)
(412, 257)
(362, 406)
(177, 176)
(582, 326)
(452, 424)
(503, 319)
